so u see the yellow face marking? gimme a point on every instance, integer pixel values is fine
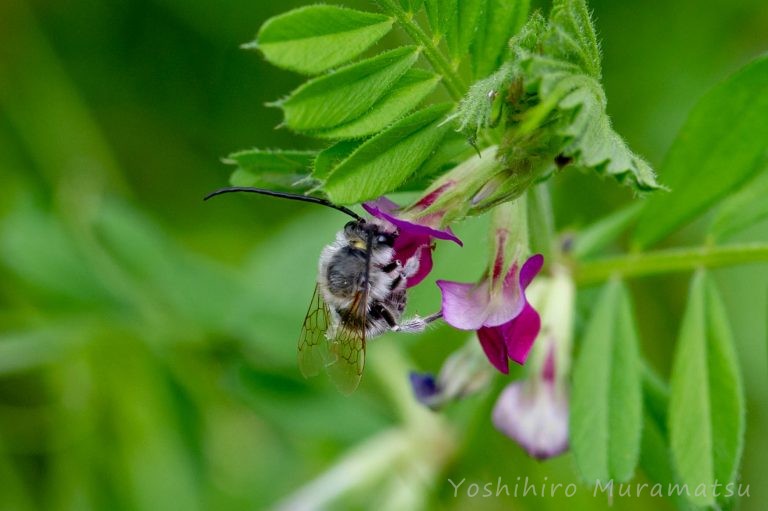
(359, 244)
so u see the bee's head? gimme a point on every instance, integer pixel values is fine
(357, 233)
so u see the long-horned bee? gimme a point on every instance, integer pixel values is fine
(360, 294)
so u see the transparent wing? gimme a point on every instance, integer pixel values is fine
(312, 340)
(345, 357)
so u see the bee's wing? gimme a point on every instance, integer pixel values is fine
(312, 341)
(345, 358)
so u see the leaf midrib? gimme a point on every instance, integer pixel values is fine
(329, 35)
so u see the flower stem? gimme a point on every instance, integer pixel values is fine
(452, 81)
(667, 261)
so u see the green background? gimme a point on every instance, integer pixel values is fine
(147, 339)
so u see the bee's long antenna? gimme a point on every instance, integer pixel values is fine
(285, 195)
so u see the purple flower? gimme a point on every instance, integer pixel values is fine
(463, 373)
(424, 387)
(497, 309)
(535, 413)
(415, 236)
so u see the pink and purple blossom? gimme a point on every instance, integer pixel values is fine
(534, 412)
(497, 309)
(415, 236)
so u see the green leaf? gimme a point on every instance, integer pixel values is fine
(404, 96)
(655, 462)
(500, 20)
(145, 436)
(42, 252)
(591, 142)
(588, 140)
(270, 168)
(721, 146)
(606, 413)
(655, 457)
(560, 62)
(480, 107)
(330, 157)
(384, 162)
(572, 37)
(464, 27)
(451, 151)
(441, 14)
(742, 209)
(29, 350)
(316, 38)
(341, 96)
(411, 6)
(14, 489)
(706, 406)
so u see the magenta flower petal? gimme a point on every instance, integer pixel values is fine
(548, 371)
(520, 333)
(413, 238)
(408, 245)
(506, 324)
(513, 339)
(383, 208)
(382, 205)
(530, 269)
(464, 306)
(535, 417)
(492, 341)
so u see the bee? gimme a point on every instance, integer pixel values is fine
(360, 294)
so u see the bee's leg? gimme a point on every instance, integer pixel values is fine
(394, 271)
(397, 284)
(417, 324)
(389, 268)
(412, 325)
(387, 316)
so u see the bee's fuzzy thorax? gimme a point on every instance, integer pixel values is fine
(342, 274)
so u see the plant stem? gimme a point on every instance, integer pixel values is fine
(541, 222)
(452, 81)
(667, 261)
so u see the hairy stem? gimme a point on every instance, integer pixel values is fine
(668, 261)
(452, 81)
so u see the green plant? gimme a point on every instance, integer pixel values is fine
(482, 107)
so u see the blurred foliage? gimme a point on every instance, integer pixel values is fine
(147, 340)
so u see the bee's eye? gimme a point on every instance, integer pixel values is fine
(385, 239)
